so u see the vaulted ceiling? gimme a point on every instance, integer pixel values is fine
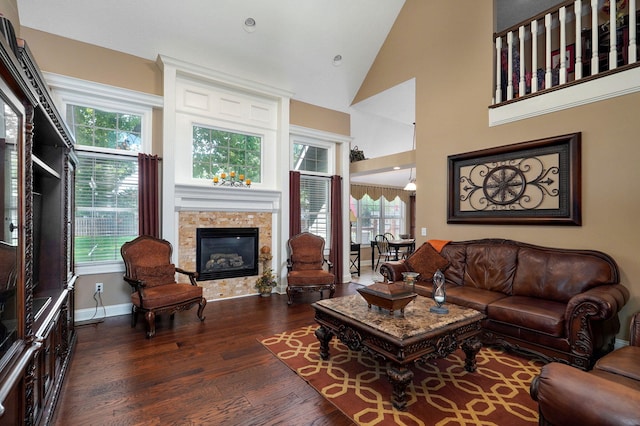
(292, 45)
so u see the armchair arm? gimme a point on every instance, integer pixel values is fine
(136, 284)
(192, 275)
(393, 270)
(600, 303)
(566, 396)
(634, 334)
(329, 264)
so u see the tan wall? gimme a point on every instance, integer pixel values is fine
(315, 117)
(9, 9)
(453, 71)
(89, 62)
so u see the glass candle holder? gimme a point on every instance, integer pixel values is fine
(409, 279)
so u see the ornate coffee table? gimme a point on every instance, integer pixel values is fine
(401, 340)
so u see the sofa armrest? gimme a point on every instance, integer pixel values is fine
(566, 396)
(393, 270)
(600, 303)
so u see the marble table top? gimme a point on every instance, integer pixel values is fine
(416, 320)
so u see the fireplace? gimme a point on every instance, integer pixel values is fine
(226, 253)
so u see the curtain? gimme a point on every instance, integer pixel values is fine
(336, 227)
(148, 199)
(375, 192)
(295, 226)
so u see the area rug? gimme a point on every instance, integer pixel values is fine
(442, 392)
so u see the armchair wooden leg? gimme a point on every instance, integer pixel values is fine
(289, 296)
(332, 291)
(202, 304)
(150, 316)
(134, 316)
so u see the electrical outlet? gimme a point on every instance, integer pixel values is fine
(99, 287)
(424, 232)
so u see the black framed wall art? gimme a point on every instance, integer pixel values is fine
(534, 182)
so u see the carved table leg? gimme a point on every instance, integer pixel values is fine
(324, 335)
(399, 377)
(471, 347)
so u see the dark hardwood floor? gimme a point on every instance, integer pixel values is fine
(192, 373)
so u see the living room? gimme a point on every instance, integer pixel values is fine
(453, 73)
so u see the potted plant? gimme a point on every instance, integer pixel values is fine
(267, 280)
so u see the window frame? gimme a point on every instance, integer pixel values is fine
(68, 90)
(382, 217)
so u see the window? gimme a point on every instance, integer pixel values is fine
(314, 206)
(313, 158)
(218, 151)
(377, 217)
(106, 192)
(110, 125)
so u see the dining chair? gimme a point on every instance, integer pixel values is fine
(384, 251)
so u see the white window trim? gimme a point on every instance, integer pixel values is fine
(69, 90)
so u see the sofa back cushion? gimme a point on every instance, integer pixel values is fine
(559, 275)
(491, 267)
(456, 254)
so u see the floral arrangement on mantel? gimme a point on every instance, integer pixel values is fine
(267, 280)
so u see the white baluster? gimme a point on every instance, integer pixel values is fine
(522, 88)
(510, 65)
(633, 55)
(577, 8)
(594, 38)
(613, 38)
(534, 56)
(562, 15)
(498, 70)
(547, 74)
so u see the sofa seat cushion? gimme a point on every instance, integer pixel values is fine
(624, 362)
(471, 297)
(535, 314)
(311, 278)
(165, 295)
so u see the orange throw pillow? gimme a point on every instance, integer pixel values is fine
(426, 261)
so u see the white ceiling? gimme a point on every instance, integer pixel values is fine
(292, 47)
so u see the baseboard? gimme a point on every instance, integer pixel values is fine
(98, 313)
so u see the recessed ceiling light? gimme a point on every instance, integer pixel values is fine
(249, 25)
(396, 167)
(337, 60)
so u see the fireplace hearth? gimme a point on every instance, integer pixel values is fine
(226, 253)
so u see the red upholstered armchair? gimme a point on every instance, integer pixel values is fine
(305, 266)
(152, 276)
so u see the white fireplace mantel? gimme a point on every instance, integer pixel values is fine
(207, 198)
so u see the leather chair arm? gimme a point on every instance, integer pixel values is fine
(393, 270)
(569, 396)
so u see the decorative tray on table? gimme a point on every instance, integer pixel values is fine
(391, 296)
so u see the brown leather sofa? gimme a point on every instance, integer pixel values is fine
(558, 304)
(607, 395)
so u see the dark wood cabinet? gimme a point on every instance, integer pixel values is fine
(36, 268)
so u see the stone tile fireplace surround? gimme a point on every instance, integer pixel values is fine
(209, 207)
(189, 221)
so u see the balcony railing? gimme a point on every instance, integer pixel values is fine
(575, 41)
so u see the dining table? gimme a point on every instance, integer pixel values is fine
(395, 245)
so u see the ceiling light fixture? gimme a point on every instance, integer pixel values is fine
(411, 186)
(337, 60)
(249, 25)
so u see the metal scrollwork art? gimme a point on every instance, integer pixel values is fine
(535, 182)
